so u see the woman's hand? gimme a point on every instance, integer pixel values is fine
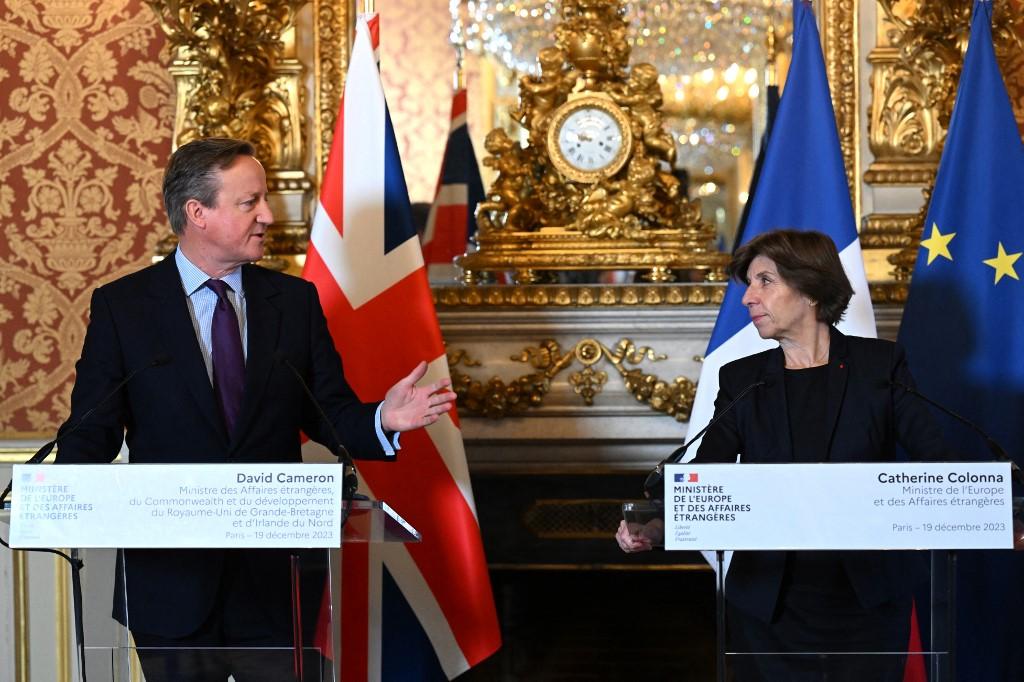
(628, 542)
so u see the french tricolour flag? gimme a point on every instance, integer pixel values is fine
(451, 223)
(802, 187)
(418, 611)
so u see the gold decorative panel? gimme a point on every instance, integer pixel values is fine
(497, 399)
(85, 129)
(916, 69)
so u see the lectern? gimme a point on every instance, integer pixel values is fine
(120, 518)
(939, 508)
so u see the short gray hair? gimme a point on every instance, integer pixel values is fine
(192, 174)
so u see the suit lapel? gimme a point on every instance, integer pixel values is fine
(172, 314)
(263, 324)
(775, 390)
(838, 372)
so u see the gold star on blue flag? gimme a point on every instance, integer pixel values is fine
(963, 328)
(938, 244)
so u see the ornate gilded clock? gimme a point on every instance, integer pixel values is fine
(592, 188)
(589, 138)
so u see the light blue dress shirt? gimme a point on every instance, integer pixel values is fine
(201, 303)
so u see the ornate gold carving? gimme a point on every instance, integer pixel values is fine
(579, 296)
(497, 399)
(229, 62)
(237, 76)
(889, 230)
(839, 22)
(888, 293)
(560, 248)
(545, 212)
(333, 26)
(914, 83)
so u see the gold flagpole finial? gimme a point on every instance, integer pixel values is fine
(459, 41)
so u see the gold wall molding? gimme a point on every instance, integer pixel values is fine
(333, 24)
(62, 645)
(19, 573)
(915, 71)
(497, 399)
(890, 230)
(578, 296)
(842, 64)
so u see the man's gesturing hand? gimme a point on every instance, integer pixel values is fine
(408, 406)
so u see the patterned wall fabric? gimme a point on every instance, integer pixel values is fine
(417, 63)
(86, 115)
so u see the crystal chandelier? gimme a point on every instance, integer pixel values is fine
(680, 37)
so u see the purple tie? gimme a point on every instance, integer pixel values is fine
(228, 362)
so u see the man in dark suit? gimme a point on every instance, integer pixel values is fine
(215, 342)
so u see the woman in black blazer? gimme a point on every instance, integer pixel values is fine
(826, 397)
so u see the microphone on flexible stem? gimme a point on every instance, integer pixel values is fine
(44, 451)
(77, 564)
(995, 448)
(350, 481)
(653, 483)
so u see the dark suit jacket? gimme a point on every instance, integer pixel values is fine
(866, 416)
(168, 413)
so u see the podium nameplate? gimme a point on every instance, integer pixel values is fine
(952, 505)
(177, 505)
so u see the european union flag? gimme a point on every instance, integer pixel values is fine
(963, 328)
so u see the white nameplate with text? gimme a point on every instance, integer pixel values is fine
(176, 505)
(952, 505)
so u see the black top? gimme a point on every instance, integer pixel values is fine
(806, 397)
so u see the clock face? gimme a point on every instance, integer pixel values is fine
(590, 139)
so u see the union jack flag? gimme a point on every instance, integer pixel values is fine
(418, 611)
(451, 223)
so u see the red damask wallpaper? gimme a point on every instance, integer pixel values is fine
(86, 114)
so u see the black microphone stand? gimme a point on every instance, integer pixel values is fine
(74, 561)
(653, 483)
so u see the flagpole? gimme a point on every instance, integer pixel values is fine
(368, 7)
(459, 76)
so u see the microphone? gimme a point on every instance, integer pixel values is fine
(42, 453)
(653, 483)
(995, 448)
(76, 563)
(350, 481)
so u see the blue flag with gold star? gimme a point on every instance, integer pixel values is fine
(963, 327)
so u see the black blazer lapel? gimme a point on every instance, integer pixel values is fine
(838, 373)
(171, 311)
(263, 326)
